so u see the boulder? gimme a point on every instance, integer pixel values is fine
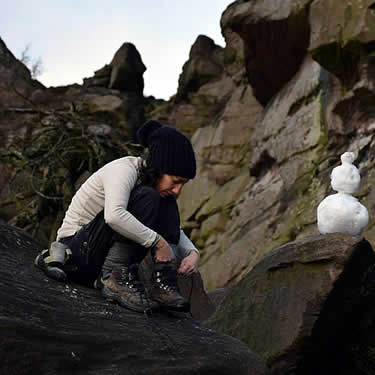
(56, 328)
(127, 70)
(307, 307)
(124, 73)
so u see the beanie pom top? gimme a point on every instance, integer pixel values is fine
(145, 131)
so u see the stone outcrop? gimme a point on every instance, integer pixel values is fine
(203, 90)
(54, 328)
(204, 65)
(16, 84)
(307, 307)
(124, 73)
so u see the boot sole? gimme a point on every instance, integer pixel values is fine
(52, 272)
(113, 297)
(179, 308)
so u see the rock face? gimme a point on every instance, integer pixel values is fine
(270, 31)
(296, 90)
(205, 64)
(16, 83)
(307, 307)
(55, 328)
(340, 47)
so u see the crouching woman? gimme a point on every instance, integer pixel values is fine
(123, 211)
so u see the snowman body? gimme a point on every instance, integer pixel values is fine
(341, 212)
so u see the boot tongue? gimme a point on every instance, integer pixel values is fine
(167, 274)
(164, 267)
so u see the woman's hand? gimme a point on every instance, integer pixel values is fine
(163, 252)
(189, 265)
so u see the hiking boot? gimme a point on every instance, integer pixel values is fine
(52, 261)
(165, 289)
(123, 286)
(49, 266)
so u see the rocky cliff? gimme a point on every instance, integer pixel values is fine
(269, 114)
(295, 91)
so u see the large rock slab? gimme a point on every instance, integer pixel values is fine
(307, 307)
(56, 328)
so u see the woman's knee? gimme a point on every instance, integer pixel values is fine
(144, 204)
(144, 194)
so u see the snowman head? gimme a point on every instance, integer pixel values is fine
(345, 178)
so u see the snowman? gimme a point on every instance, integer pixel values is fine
(341, 212)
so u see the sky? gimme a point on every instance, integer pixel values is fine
(74, 38)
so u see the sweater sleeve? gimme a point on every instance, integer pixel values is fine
(185, 245)
(118, 181)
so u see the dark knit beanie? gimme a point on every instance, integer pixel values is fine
(170, 151)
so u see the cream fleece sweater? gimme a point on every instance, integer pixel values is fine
(109, 189)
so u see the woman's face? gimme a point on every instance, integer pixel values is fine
(170, 185)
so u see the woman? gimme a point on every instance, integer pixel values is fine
(125, 209)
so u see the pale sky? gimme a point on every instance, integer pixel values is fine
(74, 38)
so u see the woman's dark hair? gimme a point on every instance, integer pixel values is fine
(148, 176)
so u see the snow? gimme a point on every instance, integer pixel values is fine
(341, 212)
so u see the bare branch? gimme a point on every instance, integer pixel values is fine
(25, 55)
(35, 65)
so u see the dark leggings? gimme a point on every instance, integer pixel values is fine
(91, 243)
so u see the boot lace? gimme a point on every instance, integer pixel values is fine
(129, 277)
(166, 281)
